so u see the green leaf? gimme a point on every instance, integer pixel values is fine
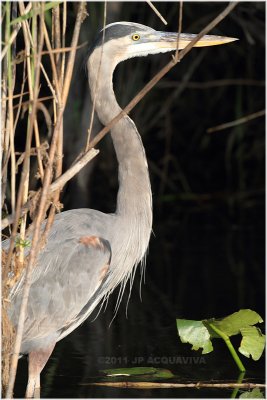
(47, 6)
(195, 333)
(22, 242)
(256, 393)
(232, 324)
(200, 334)
(252, 343)
(163, 373)
(138, 371)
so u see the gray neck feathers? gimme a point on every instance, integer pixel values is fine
(134, 202)
(134, 197)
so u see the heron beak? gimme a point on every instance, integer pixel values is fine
(168, 40)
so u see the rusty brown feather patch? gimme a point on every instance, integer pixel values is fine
(93, 241)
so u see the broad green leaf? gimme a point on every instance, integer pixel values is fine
(252, 343)
(256, 393)
(195, 333)
(200, 334)
(232, 324)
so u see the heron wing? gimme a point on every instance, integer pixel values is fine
(72, 270)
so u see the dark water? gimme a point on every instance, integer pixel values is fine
(193, 273)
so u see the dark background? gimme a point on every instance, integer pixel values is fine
(206, 256)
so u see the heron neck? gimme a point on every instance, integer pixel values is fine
(134, 196)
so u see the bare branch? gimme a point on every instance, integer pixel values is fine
(236, 122)
(73, 170)
(213, 83)
(163, 385)
(156, 11)
(180, 23)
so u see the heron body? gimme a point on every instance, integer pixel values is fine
(89, 253)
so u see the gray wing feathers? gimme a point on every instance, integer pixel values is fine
(71, 273)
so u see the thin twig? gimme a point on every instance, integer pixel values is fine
(4, 94)
(40, 99)
(29, 37)
(6, 221)
(73, 170)
(54, 96)
(41, 106)
(57, 34)
(20, 96)
(156, 11)
(64, 49)
(5, 154)
(52, 60)
(213, 83)
(10, 124)
(56, 40)
(15, 96)
(82, 15)
(180, 23)
(14, 33)
(97, 79)
(64, 28)
(236, 122)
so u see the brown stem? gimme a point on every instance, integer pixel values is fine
(236, 122)
(163, 385)
(41, 210)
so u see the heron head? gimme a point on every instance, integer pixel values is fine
(123, 40)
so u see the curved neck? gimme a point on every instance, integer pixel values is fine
(134, 194)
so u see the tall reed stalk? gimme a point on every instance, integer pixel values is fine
(19, 177)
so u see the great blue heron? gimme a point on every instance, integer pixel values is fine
(89, 253)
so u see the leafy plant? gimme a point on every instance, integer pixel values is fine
(255, 393)
(201, 333)
(19, 242)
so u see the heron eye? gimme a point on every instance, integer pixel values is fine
(135, 37)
